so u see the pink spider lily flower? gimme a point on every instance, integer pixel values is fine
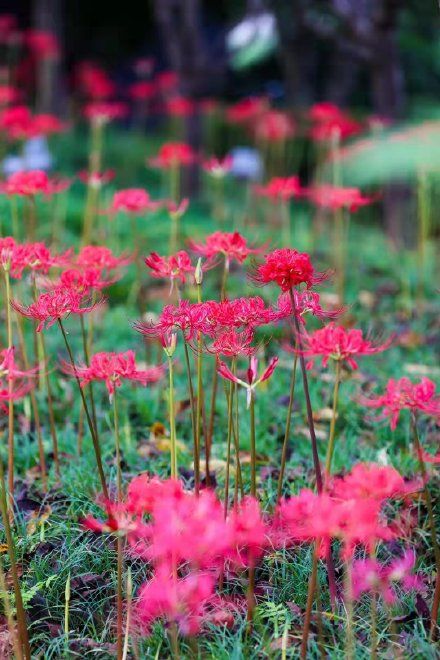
(96, 179)
(177, 210)
(340, 344)
(180, 600)
(250, 533)
(370, 576)
(37, 258)
(246, 110)
(113, 368)
(233, 246)
(402, 394)
(179, 106)
(48, 124)
(53, 306)
(274, 126)
(17, 122)
(27, 184)
(8, 368)
(329, 120)
(287, 268)
(14, 382)
(189, 318)
(332, 197)
(369, 480)
(310, 516)
(218, 168)
(43, 44)
(173, 154)
(82, 281)
(175, 267)
(306, 302)
(133, 201)
(280, 189)
(252, 380)
(434, 459)
(103, 112)
(231, 343)
(245, 312)
(100, 257)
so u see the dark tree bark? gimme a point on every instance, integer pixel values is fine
(51, 93)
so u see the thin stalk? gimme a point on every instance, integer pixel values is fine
(14, 215)
(8, 612)
(119, 541)
(96, 446)
(190, 386)
(224, 279)
(315, 454)
(250, 599)
(236, 434)
(331, 440)
(172, 419)
(87, 361)
(208, 440)
(199, 405)
(66, 615)
(229, 437)
(349, 634)
(34, 405)
(431, 520)
(285, 222)
(10, 387)
(52, 424)
(32, 218)
(129, 600)
(288, 425)
(310, 598)
(253, 447)
(21, 616)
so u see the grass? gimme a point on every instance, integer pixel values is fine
(51, 542)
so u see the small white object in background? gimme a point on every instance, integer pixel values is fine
(246, 164)
(36, 156)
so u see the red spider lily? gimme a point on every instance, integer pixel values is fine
(81, 281)
(113, 368)
(218, 168)
(43, 44)
(231, 343)
(47, 124)
(143, 90)
(103, 112)
(369, 480)
(144, 492)
(93, 81)
(17, 122)
(8, 94)
(287, 268)
(27, 184)
(189, 529)
(332, 197)
(133, 200)
(252, 380)
(245, 312)
(311, 517)
(8, 252)
(340, 344)
(174, 267)
(36, 257)
(250, 533)
(177, 210)
(274, 126)
(179, 106)
(329, 120)
(96, 179)
(246, 110)
(233, 246)
(100, 257)
(306, 302)
(281, 189)
(402, 394)
(189, 318)
(182, 601)
(167, 81)
(54, 306)
(14, 383)
(369, 576)
(208, 106)
(173, 154)
(430, 458)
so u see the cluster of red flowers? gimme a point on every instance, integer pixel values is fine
(18, 123)
(14, 382)
(328, 121)
(189, 541)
